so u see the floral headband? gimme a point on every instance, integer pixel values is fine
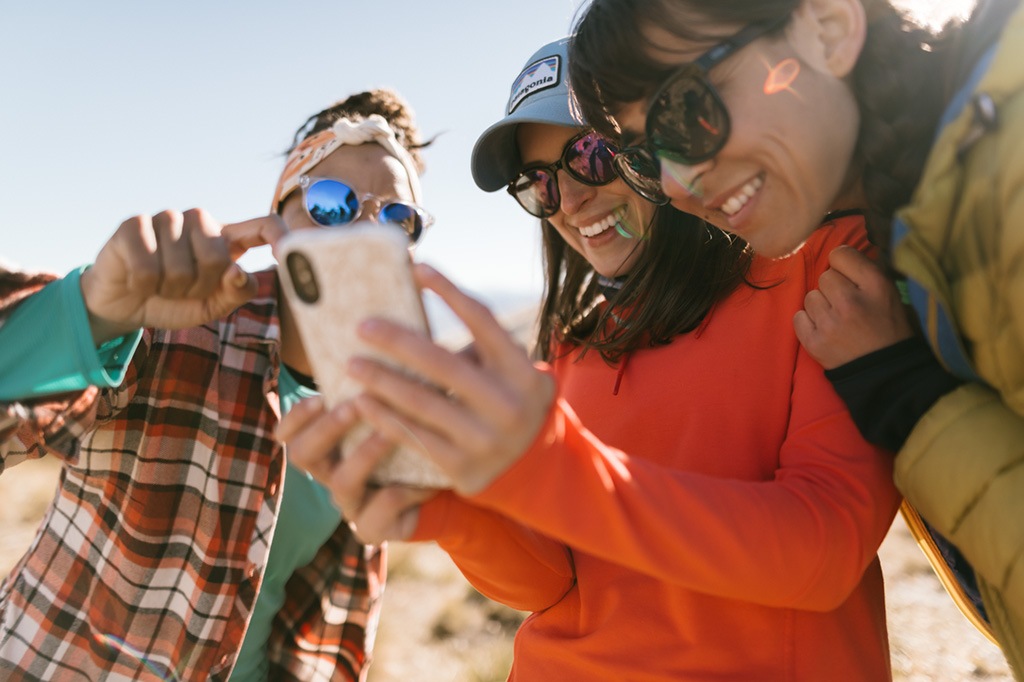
(314, 149)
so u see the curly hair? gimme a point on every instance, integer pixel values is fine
(382, 101)
(900, 100)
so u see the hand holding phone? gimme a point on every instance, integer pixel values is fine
(333, 280)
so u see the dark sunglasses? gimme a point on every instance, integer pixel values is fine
(587, 158)
(687, 121)
(331, 203)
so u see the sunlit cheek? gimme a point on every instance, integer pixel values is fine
(683, 177)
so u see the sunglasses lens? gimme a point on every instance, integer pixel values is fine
(330, 202)
(687, 122)
(642, 173)
(537, 192)
(408, 217)
(589, 160)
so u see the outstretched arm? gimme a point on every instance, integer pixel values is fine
(172, 270)
(800, 540)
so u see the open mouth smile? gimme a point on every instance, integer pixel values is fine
(733, 204)
(600, 226)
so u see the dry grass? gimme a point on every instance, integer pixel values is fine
(929, 638)
(435, 626)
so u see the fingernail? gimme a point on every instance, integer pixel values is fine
(239, 278)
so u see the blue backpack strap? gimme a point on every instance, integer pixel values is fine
(963, 95)
(935, 319)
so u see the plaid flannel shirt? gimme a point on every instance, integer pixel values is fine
(149, 560)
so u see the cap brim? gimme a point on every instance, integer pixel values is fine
(495, 160)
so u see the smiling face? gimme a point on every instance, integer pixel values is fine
(591, 219)
(794, 122)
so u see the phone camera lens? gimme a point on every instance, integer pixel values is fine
(303, 279)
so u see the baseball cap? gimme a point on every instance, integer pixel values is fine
(540, 94)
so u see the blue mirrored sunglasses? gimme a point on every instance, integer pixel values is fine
(332, 203)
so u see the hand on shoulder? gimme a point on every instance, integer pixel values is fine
(855, 310)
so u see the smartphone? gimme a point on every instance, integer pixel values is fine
(333, 280)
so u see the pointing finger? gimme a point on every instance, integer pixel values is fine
(249, 234)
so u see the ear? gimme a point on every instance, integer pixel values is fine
(834, 31)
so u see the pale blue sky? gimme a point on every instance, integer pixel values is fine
(118, 107)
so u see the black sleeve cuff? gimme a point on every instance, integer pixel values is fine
(888, 391)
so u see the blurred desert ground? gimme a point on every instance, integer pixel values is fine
(436, 628)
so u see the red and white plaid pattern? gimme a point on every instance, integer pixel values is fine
(148, 562)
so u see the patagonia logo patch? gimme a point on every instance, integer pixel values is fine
(538, 76)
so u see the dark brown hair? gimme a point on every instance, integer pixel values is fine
(382, 101)
(899, 96)
(685, 268)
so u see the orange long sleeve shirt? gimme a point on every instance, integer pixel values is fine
(717, 519)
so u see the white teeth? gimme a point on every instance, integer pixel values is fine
(598, 227)
(740, 199)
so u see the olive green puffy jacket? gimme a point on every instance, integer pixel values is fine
(962, 467)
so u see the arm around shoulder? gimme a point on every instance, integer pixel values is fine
(963, 469)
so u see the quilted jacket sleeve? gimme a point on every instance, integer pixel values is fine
(963, 465)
